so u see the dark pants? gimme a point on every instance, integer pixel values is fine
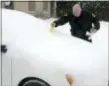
(84, 37)
(77, 31)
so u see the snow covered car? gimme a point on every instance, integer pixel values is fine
(35, 57)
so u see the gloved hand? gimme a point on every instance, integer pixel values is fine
(91, 33)
(92, 30)
(52, 27)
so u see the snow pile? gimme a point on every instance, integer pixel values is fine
(32, 36)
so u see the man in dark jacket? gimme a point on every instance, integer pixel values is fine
(80, 22)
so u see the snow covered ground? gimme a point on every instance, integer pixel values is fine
(31, 35)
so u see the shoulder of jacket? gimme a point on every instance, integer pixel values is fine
(89, 13)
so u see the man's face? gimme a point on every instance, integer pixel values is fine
(76, 9)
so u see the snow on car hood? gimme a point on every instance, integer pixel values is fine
(31, 35)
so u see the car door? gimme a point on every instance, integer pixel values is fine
(6, 70)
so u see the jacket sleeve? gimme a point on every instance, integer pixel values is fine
(95, 21)
(61, 21)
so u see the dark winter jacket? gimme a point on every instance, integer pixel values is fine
(79, 25)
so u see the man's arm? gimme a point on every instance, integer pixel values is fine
(61, 21)
(95, 21)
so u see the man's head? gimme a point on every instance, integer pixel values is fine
(76, 10)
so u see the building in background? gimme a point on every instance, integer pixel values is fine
(44, 9)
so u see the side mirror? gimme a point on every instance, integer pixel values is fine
(3, 48)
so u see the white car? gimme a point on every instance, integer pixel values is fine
(35, 57)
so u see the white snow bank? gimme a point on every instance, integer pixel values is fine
(32, 36)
